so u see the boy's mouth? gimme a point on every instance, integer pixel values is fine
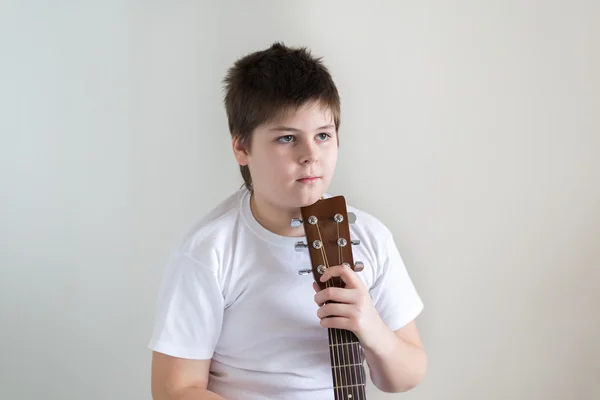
(308, 179)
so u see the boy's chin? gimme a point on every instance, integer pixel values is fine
(308, 199)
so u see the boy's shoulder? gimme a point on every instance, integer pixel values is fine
(218, 223)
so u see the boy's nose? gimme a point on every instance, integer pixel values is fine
(309, 154)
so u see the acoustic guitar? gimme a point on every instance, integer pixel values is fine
(327, 231)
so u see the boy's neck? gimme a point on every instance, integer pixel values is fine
(275, 219)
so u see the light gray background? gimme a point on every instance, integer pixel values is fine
(470, 128)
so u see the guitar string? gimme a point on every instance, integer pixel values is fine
(335, 351)
(349, 348)
(355, 347)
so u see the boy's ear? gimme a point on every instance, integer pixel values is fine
(239, 151)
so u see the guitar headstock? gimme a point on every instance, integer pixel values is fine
(327, 230)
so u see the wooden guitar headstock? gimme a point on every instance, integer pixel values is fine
(327, 230)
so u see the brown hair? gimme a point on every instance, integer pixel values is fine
(262, 86)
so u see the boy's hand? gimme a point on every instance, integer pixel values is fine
(352, 309)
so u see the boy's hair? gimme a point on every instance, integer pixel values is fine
(262, 86)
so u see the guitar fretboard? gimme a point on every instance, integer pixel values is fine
(346, 365)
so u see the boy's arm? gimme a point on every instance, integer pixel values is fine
(188, 320)
(397, 361)
(180, 379)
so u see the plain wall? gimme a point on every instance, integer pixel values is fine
(470, 128)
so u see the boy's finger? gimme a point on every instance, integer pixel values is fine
(343, 271)
(336, 295)
(316, 287)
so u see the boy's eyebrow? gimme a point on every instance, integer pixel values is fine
(290, 129)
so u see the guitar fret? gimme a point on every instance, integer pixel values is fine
(344, 344)
(347, 365)
(349, 386)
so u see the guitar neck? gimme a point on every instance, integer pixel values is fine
(326, 225)
(346, 365)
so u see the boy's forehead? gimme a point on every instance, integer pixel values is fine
(309, 116)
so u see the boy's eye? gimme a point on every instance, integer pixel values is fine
(324, 136)
(285, 139)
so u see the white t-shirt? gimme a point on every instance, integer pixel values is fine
(232, 293)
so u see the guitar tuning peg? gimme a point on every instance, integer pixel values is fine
(304, 271)
(359, 266)
(355, 242)
(339, 218)
(296, 222)
(351, 218)
(299, 246)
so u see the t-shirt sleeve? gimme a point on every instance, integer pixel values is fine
(393, 292)
(189, 310)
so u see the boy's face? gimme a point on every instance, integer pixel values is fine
(292, 160)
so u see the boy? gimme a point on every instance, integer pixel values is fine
(235, 320)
